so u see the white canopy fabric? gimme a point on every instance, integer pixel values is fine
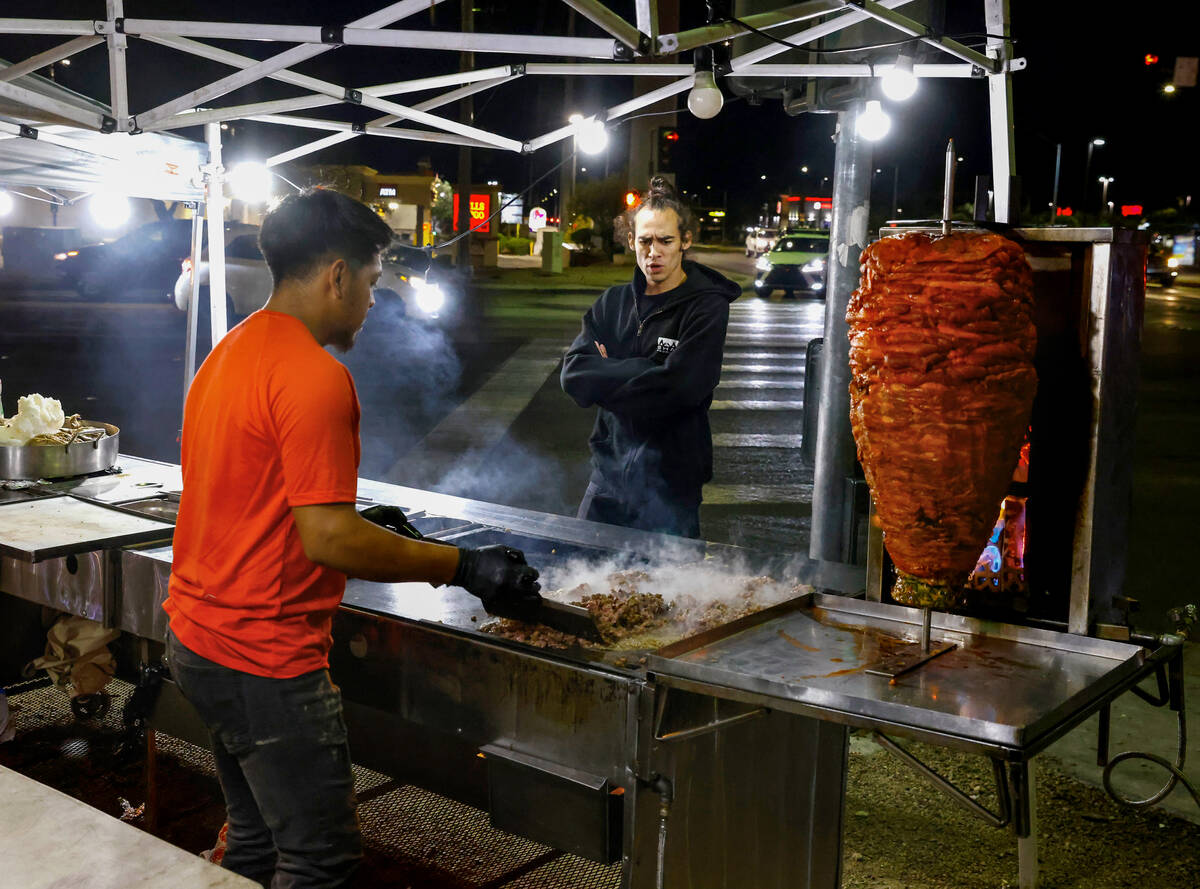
(70, 158)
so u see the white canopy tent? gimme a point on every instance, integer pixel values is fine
(106, 134)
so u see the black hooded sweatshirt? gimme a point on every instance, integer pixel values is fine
(655, 387)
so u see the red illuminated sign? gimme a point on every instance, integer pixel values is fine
(1131, 209)
(1150, 58)
(480, 206)
(1063, 211)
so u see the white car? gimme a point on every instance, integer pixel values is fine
(760, 240)
(411, 282)
(247, 278)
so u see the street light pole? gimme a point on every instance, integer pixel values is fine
(1087, 169)
(1057, 168)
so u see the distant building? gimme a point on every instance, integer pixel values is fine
(406, 203)
(797, 211)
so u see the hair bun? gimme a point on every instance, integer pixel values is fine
(661, 188)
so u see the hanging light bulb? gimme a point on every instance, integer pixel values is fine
(705, 100)
(591, 137)
(251, 182)
(873, 123)
(898, 81)
(109, 210)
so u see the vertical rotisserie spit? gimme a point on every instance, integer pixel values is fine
(941, 354)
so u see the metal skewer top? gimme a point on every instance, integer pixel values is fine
(948, 190)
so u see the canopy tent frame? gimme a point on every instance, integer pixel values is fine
(629, 50)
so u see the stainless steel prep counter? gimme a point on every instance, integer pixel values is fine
(739, 735)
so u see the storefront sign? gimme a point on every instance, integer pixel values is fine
(480, 206)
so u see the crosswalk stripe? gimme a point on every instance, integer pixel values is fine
(757, 406)
(756, 440)
(760, 384)
(730, 495)
(761, 356)
(763, 368)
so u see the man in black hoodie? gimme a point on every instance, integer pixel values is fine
(649, 356)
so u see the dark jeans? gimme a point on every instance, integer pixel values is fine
(284, 766)
(647, 511)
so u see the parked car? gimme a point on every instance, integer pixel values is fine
(414, 286)
(247, 278)
(795, 264)
(27, 252)
(760, 240)
(146, 258)
(1162, 266)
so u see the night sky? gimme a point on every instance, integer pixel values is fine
(1086, 78)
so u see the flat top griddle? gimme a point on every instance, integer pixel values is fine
(1004, 688)
(50, 527)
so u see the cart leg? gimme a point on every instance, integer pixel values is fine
(1024, 797)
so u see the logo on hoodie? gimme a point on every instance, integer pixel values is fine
(666, 345)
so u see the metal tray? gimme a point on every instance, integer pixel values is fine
(1005, 690)
(36, 530)
(61, 461)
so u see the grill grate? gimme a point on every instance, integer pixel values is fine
(411, 837)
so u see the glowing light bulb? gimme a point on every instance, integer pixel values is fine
(898, 81)
(873, 123)
(109, 210)
(590, 135)
(705, 100)
(251, 182)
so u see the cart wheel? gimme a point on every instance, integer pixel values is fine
(92, 706)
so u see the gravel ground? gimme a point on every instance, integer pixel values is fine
(901, 833)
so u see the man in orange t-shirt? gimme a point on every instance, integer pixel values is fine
(266, 536)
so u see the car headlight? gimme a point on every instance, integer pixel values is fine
(816, 265)
(763, 264)
(429, 296)
(1173, 262)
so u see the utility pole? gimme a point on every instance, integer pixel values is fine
(466, 114)
(566, 175)
(1057, 168)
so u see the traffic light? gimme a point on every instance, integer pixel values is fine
(631, 199)
(667, 137)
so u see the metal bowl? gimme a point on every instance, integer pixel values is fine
(61, 461)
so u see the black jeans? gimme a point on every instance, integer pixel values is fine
(649, 511)
(284, 766)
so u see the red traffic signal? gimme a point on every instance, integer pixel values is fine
(671, 135)
(632, 198)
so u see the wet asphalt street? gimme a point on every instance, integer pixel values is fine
(477, 410)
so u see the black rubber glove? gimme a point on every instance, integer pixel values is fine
(498, 575)
(392, 518)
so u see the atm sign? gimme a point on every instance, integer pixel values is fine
(480, 207)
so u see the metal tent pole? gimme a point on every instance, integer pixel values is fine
(835, 451)
(193, 309)
(216, 234)
(1000, 104)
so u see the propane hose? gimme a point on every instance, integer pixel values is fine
(1175, 769)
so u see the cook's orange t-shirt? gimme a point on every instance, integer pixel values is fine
(271, 422)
